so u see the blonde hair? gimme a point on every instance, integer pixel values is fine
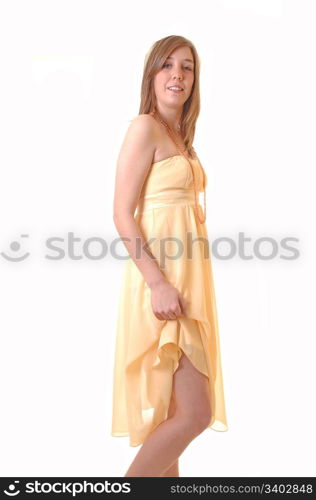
(154, 61)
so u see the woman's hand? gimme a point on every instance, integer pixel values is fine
(167, 302)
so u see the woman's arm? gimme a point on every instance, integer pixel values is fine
(135, 158)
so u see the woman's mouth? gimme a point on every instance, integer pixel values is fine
(175, 90)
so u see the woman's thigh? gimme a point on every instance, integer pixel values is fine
(190, 394)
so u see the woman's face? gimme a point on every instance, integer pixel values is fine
(177, 70)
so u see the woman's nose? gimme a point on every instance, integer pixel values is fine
(177, 73)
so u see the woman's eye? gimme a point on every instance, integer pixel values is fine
(169, 64)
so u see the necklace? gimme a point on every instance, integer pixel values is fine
(183, 153)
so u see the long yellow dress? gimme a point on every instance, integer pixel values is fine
(147, 349)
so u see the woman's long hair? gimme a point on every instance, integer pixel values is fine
(154, 61)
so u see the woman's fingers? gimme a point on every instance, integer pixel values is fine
(177, 311)
(168, 303)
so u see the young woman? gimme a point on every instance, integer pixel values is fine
(168, 383)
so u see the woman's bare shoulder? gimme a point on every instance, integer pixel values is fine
(139, 144)
(144, 121)
(141, 136)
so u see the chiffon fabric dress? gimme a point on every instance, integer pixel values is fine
(148, 349)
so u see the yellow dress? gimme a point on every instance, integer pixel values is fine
(147, 349)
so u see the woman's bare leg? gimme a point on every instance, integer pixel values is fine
(173, 470)
(191, 415)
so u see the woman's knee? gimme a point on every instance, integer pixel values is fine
(195, 420)
(200, 419)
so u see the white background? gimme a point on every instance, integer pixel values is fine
(70, 83)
